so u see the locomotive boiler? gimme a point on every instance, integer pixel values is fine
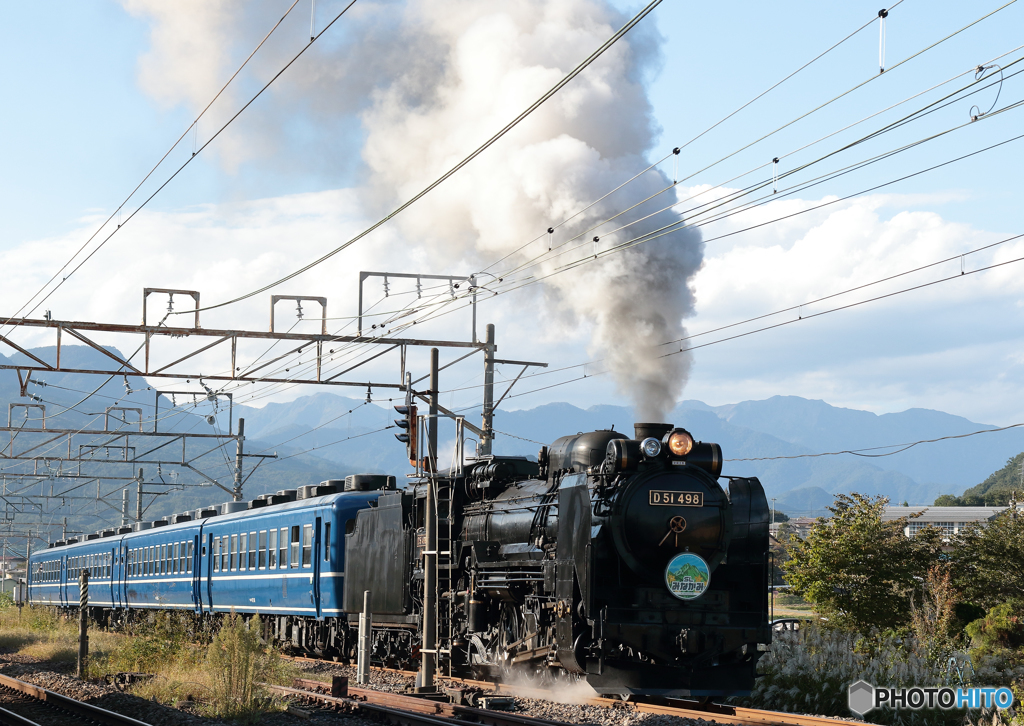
(621, 561)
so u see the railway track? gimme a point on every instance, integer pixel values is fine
(26, 704)
(447, 713)
(407, 710)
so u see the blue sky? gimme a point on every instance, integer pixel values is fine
(83, 126)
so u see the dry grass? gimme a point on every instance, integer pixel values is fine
(39, 633)
(219, 680)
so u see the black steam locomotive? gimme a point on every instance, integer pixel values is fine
(621, 561)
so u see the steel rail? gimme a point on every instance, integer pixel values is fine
(66, 703)
(410, 709)
(661, 706)
(9, 718)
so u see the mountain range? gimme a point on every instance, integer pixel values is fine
(756, 437)
(329, 436)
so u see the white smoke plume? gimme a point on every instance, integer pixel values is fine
(429, 82)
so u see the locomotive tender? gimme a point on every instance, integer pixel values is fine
(619, 560)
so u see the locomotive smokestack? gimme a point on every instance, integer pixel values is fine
(657, 430)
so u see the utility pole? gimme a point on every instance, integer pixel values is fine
(237, 493)
(773, 511)
(432, 420)
(138, 499)
(487, 424)
(429, 650)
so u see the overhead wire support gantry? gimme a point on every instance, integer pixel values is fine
(80, 330)
(313, 372)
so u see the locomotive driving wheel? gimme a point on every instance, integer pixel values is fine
(510, 626)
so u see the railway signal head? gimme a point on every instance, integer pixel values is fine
(408, 424)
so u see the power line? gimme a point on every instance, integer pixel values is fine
(817, 314)
(962, 274)
(315, 428)
(512, 285)
(851, 305)
(682, 146)
(903, 447)
(206, 308)
(187, 162)
(797, 119)
(339, 441)
(157, 165)
(688, 220)
(669, 229)
(455, 169)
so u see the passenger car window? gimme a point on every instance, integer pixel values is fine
(307, 545)
(263, 549)
(327, 541)
(296, 543)
(252, 550)
(273, 549)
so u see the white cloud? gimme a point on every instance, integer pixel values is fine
(953, 346)
(948, 346)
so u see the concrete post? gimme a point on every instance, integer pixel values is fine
(365, 642)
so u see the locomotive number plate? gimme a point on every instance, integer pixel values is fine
(677, 499)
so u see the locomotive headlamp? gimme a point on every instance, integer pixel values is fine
(651, 447)
(680, 443)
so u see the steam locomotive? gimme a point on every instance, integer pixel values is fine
(615, 560)
(619, 560)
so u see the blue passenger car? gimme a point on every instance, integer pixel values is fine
(280, 556)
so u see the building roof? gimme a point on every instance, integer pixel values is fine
(943, 514)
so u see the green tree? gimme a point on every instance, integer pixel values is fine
(858, 571)
(988, 560)
(998, 488)
(999, 633)
(946, 500)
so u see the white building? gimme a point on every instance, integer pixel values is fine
(948, 519)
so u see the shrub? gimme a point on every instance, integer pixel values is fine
(933, 614)
(1000, 634)
(237, 663)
